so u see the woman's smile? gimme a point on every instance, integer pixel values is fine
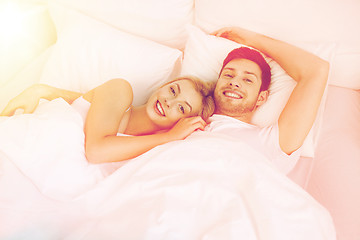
(159, 109)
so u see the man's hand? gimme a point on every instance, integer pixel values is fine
(235, 34)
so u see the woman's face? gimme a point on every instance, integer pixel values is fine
(172, 102)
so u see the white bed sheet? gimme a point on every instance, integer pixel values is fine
(205, 187)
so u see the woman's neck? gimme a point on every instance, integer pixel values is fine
(140, 123)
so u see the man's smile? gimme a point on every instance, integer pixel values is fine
(232, 94)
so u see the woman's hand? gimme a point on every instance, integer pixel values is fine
(28, 100)
(184, 127)
(235, 34)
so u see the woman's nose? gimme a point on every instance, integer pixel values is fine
(168, 102)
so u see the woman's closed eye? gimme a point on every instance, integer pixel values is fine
(248, 80)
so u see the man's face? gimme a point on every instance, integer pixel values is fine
(237, 89)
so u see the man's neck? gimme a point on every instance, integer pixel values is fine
(246, 117)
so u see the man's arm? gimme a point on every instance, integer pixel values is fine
(310, 72)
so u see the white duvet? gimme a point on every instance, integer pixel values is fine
(205, 187)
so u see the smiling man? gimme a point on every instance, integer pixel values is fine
(243, 84)
(242, 87)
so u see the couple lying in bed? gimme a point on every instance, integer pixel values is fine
(115, 130)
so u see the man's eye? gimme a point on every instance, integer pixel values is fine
(172, 91)
(228, 75)
(182, 109)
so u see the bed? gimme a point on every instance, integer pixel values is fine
(199, 188)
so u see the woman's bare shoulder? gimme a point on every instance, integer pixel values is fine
(116, 88)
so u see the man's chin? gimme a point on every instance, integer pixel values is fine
(234, 110)
(225, 111)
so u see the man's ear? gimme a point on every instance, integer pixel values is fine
(263, 96)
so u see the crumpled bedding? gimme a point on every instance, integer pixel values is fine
(204, 187)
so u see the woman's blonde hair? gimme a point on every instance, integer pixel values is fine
(206, 90)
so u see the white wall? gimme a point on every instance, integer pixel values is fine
(26, 30)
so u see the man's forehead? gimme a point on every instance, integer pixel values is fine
(243, 65)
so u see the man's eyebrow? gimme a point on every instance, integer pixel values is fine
(251, 73)
(246, 72)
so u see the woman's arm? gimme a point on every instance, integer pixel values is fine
(113, 148)
(108, 106)
(310, 72)
(29, 99)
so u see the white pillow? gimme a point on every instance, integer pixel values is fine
(90, 52)
(158, 20)
(302, 21)
(204, 55)
(346, 70)
(305, 20)
(28, 76)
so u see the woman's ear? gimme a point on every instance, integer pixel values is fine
(263, 96)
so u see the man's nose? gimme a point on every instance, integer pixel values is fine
(235, 83)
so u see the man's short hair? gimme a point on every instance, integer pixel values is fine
(254, 56)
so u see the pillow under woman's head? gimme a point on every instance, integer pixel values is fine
(89, 53)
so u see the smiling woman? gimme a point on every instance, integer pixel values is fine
(116, 130)
(174, 100)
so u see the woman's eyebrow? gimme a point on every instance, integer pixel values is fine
(189, 106)
(178, 87)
